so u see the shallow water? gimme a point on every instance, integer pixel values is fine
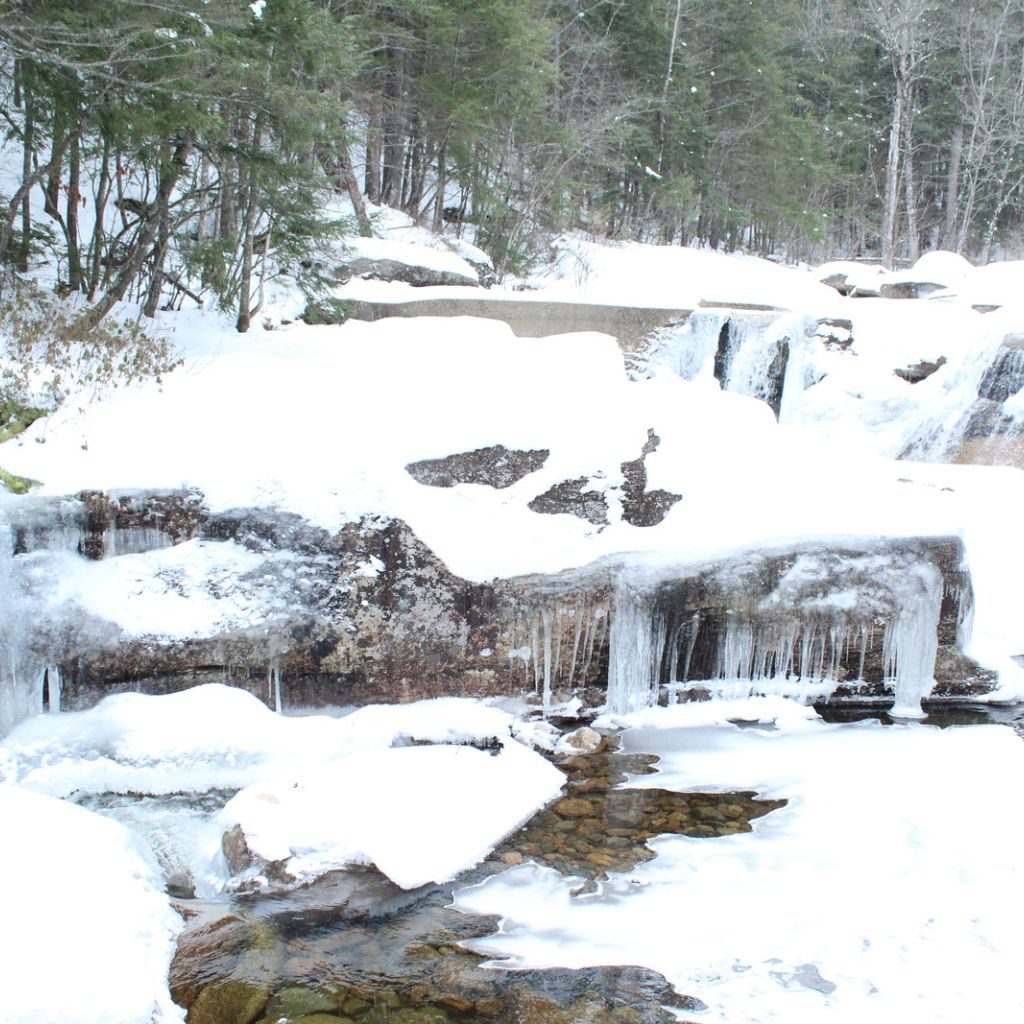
(353, 946)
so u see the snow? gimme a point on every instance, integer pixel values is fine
(298, 774)
(88, 933)
(343, 410)
(886, 889)
(420, 814)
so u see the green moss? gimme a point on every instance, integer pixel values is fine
(17, 484)
(15, 417)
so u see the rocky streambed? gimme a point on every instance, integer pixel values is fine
(353, 947)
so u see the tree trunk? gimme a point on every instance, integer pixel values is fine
(890, 199)
(129, 270)
(956, 150)
(76, 276)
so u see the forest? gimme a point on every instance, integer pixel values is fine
(170, 149)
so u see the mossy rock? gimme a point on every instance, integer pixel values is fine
(230, 1002)
(295, 1002)
(17, 484)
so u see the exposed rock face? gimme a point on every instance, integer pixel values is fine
(1005, 377)
(571, 497)
(370, 614)
(395, 270)
(641, 507)
(918, 372)
(497, 466)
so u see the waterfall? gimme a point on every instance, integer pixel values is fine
(22, 673)
(749, 355)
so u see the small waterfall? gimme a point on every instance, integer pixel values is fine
(750, 355)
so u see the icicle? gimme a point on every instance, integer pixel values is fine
(911, 641)
(546, 626)
(274, 687)
(636, 645)
(54, 686)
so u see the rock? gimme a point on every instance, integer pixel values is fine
(181, 885)
(641, 507)
(918, 372)
(381, 269)
(296, 1002)
(236, 850)
(496, 466)
(835, 333)
(570, 498)
(231, 1000)
(513, 858)
(909, 289)
(570, 807)
(582, 741)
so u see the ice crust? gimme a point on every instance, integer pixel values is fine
(885, 889)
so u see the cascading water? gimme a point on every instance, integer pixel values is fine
(22, 672)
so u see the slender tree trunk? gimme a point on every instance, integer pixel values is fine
(76, 276)
(348, 179)
(909, 190)
(129, 270)
(890, 199)
(27, 155)
(956, 150)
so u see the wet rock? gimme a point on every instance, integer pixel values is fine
(570, 497)
(1005, 376)
(231, 1000)
(297, 1002)
(573, 808)
(496, 466)
(236, 850)
(180, 885)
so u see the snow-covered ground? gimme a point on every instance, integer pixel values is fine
(886, 887)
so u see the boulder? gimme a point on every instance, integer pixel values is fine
(918, 372)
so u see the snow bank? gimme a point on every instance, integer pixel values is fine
(216, 736)
(322, 791)
(420, 814)
(87, 934)
(886, 889)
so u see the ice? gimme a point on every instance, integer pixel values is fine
(323, 791)
(890, 875)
